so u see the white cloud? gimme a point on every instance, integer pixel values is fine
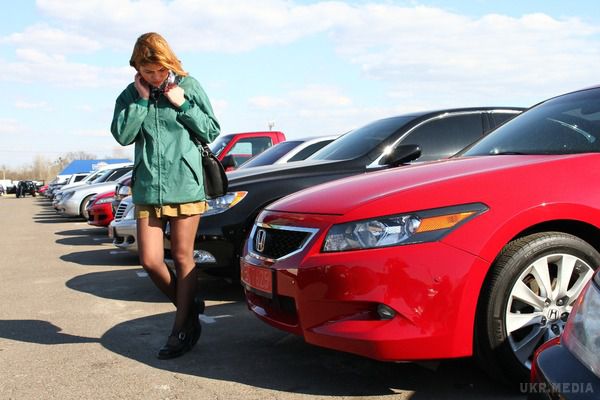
(32, 65)
(10, 126)
(424, 48)
(53, 40)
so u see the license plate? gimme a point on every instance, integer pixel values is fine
(257, 279)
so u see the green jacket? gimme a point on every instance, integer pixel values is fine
(167, 168)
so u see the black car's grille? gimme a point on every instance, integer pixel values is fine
(120, 211)
(277, 243)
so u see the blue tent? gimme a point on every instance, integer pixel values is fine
(83, 166)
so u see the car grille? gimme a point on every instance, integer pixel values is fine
(120, 211)
(277, 243)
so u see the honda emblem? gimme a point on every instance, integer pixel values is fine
(260, 239)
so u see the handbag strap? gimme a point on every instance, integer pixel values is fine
(205, 151)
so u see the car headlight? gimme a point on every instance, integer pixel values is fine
(105, 200)
(223, 203)
(581, 332)
(66, 196)
(394, 230)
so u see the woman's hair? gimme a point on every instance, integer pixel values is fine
(151, 48)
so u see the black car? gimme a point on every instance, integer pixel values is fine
(384, 143)
(26, 187)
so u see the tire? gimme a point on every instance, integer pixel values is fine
(83, 206)
(526, 299)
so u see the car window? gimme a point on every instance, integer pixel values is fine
(309, 150)
(443, 137)
(117, 173)
(499, 117)
(218, 145)
(247, 148)
(272, 154)
(361, 141)
(563, 125)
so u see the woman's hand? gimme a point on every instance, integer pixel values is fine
(175, 94)
(142, 87)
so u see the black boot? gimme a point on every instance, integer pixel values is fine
(177, 344)
(197, 309)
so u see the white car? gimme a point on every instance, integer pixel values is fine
(289, 151)
(123, 228)
(74, 202)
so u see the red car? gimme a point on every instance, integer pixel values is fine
(100, 209)
(484, 253)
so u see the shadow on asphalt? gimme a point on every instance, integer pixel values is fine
(37, 331)
(109, 257)
(239, 348)
(134, 285)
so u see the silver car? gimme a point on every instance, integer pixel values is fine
(123, 228)
(74, 202)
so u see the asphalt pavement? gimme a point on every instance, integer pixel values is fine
(79, 319)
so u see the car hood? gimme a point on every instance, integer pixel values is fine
(95, 187)
(300, 168)
(434, 184)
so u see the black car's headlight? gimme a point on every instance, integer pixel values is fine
(223, 203)
(394, 230)
(581, 331)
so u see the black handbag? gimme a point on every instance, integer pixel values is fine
(215, 178)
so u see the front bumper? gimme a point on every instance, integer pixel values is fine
(69, 208)
(557, 374)
(124, 234)
(100, 215)
(332, 299)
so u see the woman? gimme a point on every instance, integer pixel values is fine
(163, 111)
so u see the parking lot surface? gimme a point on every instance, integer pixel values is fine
(79, 319)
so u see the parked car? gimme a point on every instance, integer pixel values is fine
(568, 367)
(105, 173)
(375, 146)
(235, 148)
(484, 253)
(100, 209)
(122, 190)
(289, 151)
(26, 187)
(74, 202)
(123, 228)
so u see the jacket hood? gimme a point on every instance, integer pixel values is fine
(434, 184)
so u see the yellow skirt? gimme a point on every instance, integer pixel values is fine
(170, 210)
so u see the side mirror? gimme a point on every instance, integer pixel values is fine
(402, 154)
(228, 162)
(124, 191)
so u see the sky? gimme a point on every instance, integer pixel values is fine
(308, 67)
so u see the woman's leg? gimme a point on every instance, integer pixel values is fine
(183, 233)
(151, 251)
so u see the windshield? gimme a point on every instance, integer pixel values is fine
(102, 177)
(565, 125)
(271, 155)
(218, 145)
(361, 141)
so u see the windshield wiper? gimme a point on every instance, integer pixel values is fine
(589, 138)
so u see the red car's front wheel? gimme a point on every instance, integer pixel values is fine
(527, 299)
